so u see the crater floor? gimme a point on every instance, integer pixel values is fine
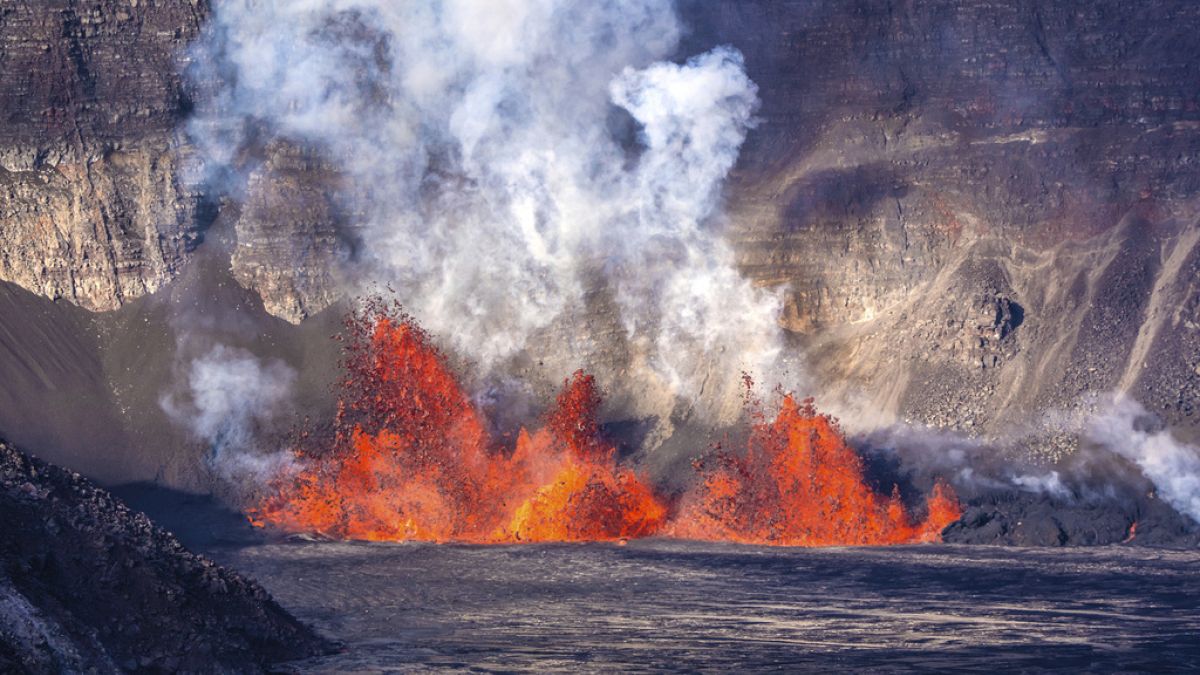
(672, 605)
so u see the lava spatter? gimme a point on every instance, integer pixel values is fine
(411, 459)
(800, 484)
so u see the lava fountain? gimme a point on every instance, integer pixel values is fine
(410, 459)
(800, 484)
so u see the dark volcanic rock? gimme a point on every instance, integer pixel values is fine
(86, 583)
(80, 75)
(1029, 519)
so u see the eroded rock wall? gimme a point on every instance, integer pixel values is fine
(95, 206)
(291, 246)
(980, 210)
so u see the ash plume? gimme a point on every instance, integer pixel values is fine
(505, 157)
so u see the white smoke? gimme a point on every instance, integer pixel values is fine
(970, 464)
(1109, 427)
(1048, 482)
(694, 118)
(230, 395)
(1124, 427)
(502, 151)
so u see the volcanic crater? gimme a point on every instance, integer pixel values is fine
(640, 335)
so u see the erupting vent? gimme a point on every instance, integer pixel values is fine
(800, 484)
(412, 460)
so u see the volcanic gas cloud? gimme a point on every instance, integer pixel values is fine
(410, 459)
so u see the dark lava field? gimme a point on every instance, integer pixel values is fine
(657, 605)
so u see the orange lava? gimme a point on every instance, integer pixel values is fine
(410, 458)
(800, 484)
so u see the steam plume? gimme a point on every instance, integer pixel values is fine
(972, 465)
(1115, 432)
(230, 394)
(503, 153)
(1126, 429)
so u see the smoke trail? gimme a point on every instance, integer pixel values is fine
(230, 395)
(1125, 428)
(694, 119)
(504, 152)
(972, 465)
(1118, 439)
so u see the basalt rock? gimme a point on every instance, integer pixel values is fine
(87, 585)
(290, 246)
(99, 232)
(1031, 519)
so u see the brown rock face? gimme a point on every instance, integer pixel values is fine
(97, 232)
(980, 210)
(289, 249)
(93, 206)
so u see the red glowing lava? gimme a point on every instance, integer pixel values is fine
(800, 484)
(411, 459)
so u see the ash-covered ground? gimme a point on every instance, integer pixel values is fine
(672, 605)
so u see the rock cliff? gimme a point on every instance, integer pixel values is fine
(980, 210)
(290, 242)
(94, 203)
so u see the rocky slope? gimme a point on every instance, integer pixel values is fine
(86, 585)
(980, 210)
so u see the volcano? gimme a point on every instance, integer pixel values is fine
(409, 460)
(743, 333)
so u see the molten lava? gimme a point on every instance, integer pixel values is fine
(410, 458)
(800, 484)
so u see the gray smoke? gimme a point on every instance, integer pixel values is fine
(229, 396)
(972, 465)
(501, 152)
(1117, 440)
